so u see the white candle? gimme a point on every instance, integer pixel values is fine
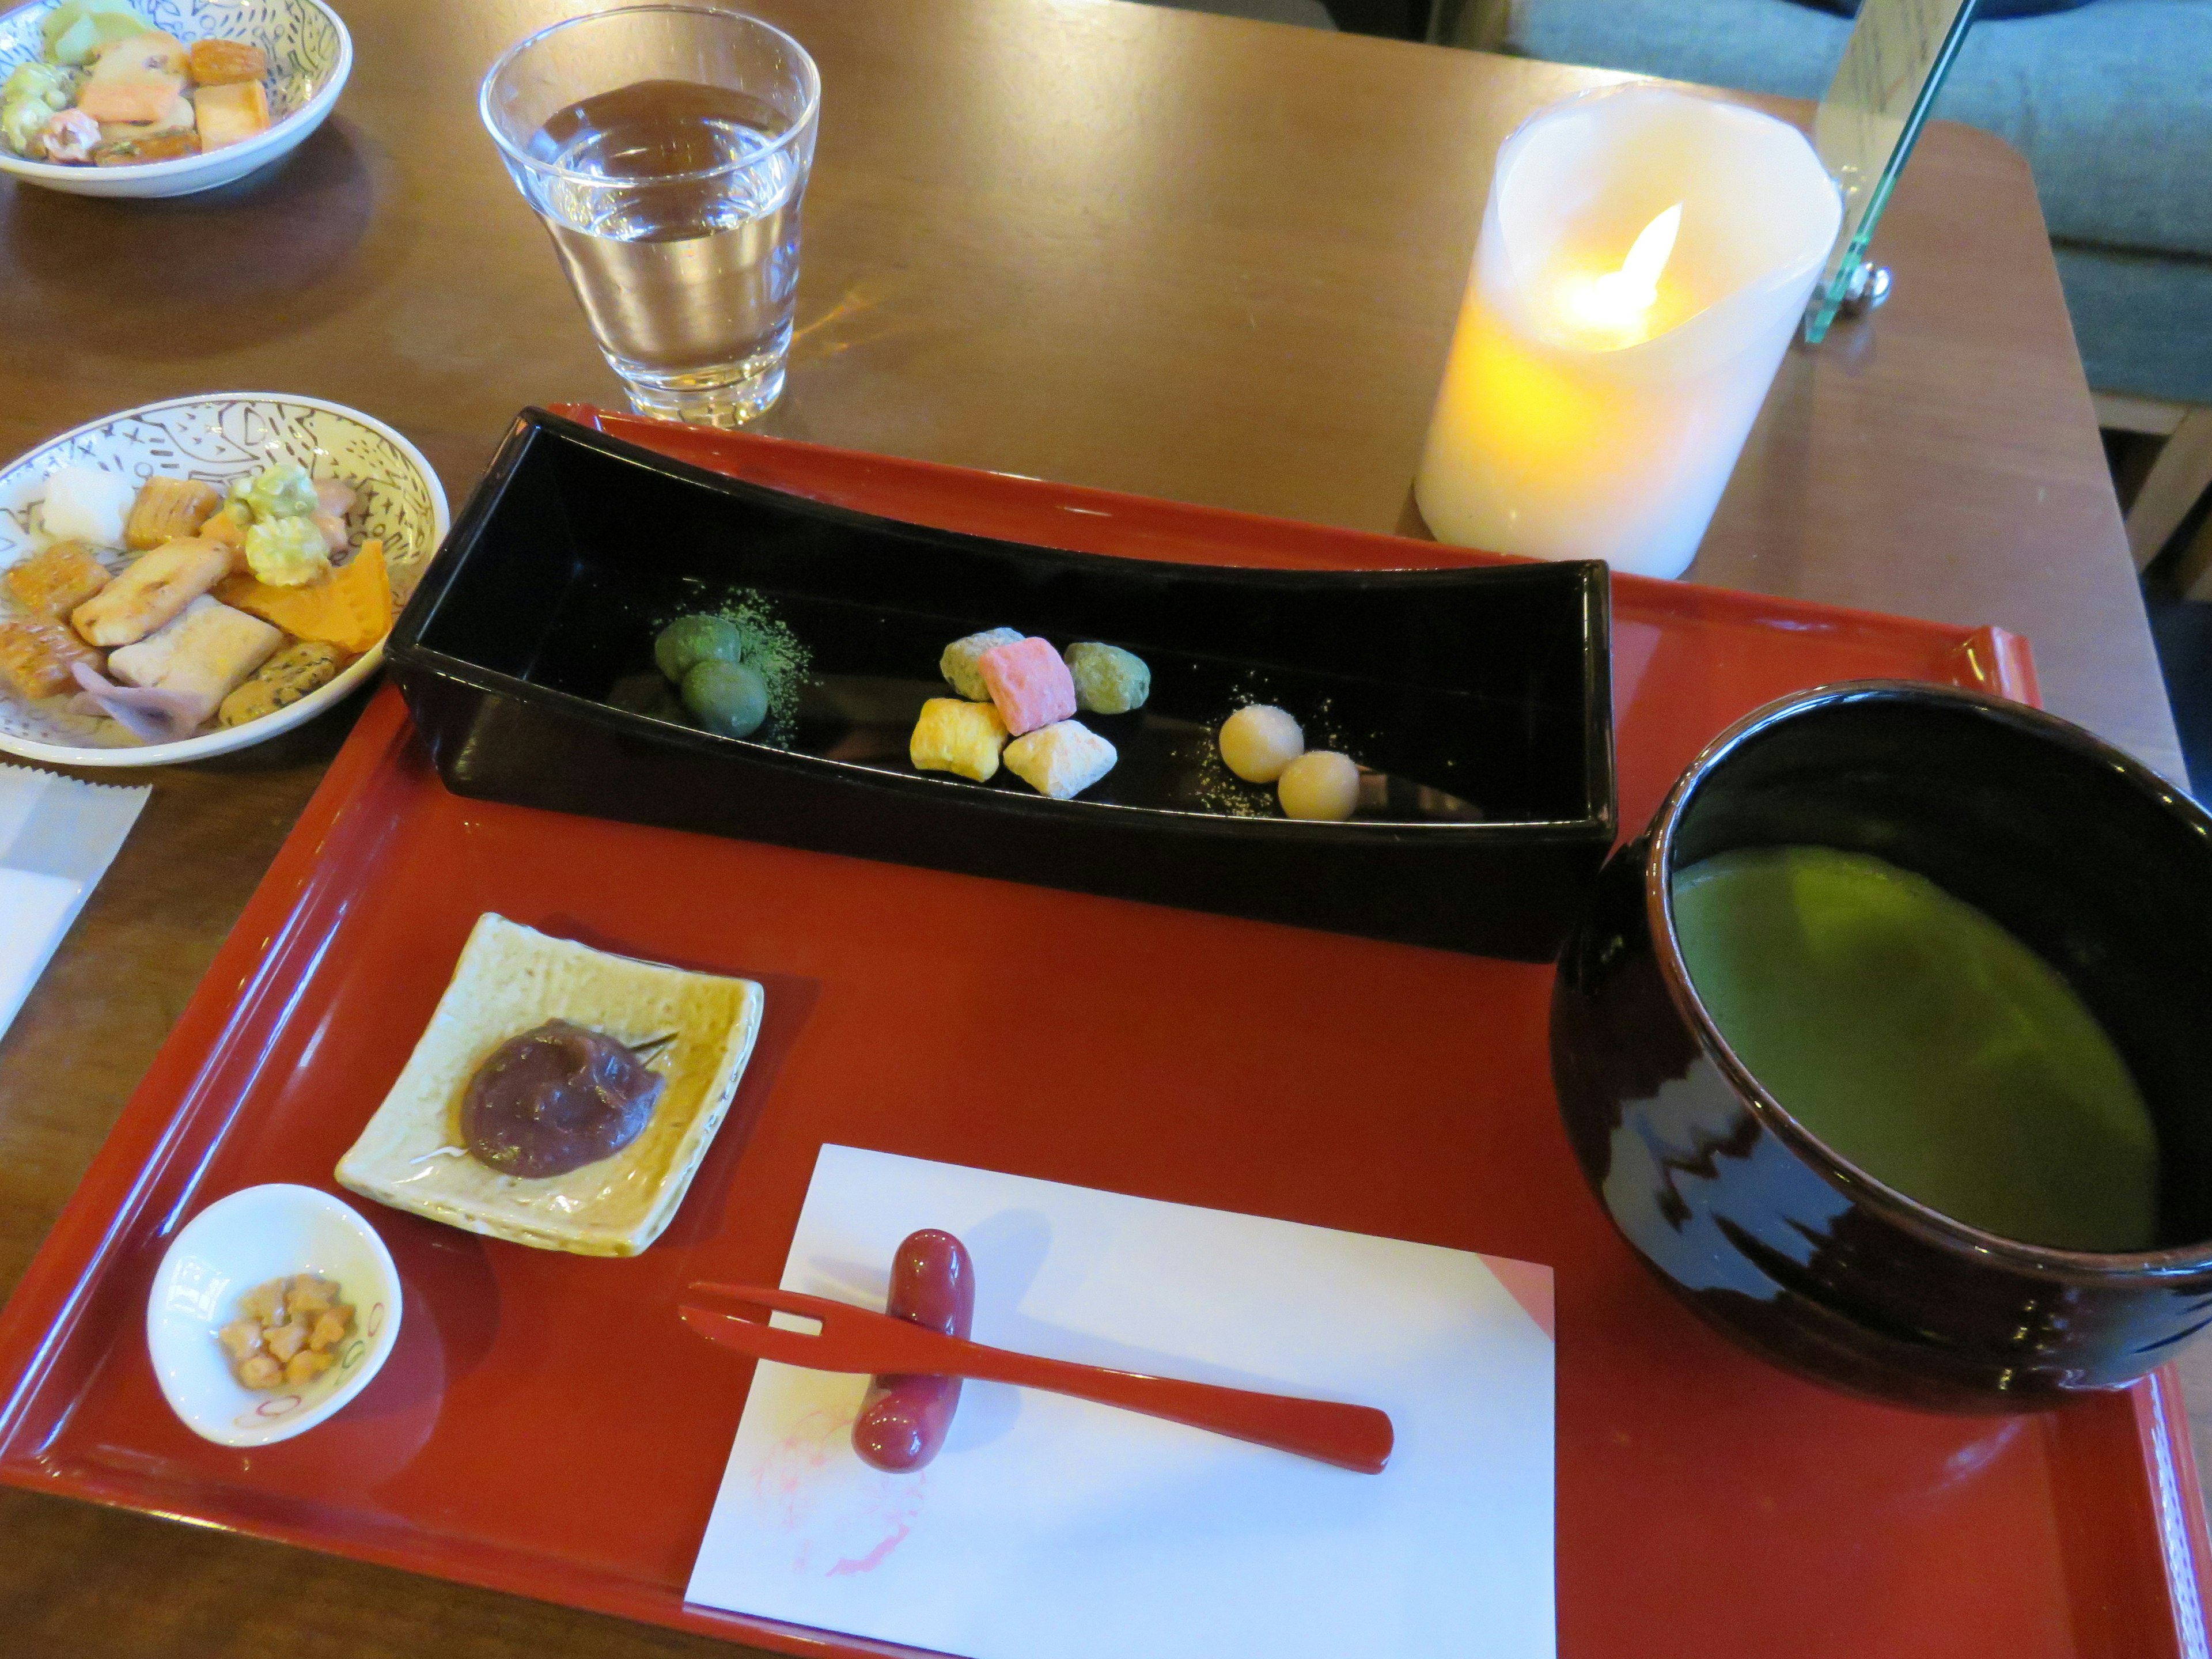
(1642, 265)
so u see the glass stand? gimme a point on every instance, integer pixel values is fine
(1900, 52)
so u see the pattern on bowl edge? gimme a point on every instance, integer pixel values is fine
(302, 43)
(220, 439)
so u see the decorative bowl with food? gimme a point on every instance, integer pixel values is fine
(190, 577)
(273, 1308)
(162, 97)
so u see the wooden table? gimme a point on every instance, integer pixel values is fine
(1144, 249)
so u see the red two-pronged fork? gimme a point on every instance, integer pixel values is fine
(1357, 1437)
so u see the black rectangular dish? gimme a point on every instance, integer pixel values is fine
(1477, 701)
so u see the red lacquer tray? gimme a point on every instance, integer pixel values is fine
(546, 1426)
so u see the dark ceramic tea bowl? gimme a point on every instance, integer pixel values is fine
(2092, 860)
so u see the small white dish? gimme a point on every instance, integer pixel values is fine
(221, 437)
(310, 55)
(245, 1239)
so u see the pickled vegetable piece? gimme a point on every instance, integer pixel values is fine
(55, 580)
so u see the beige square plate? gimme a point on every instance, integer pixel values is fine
(511, 979)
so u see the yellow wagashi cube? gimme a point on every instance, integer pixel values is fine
(955, 735)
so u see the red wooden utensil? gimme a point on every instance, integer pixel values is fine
(1355, 1437)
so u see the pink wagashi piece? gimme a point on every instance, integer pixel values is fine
(1030, 684)
(147, 713)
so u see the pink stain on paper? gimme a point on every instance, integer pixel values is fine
(843, 1518)
(1528, 1285)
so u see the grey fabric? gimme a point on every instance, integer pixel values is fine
(2143, 322)
(2112, 104)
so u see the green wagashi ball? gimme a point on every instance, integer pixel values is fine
(727, 697)
(690, 640)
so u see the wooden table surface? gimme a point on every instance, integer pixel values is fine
(1139, 248)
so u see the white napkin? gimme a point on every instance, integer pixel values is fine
(57, 837)
(1048, 1528)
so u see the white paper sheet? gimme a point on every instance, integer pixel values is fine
(1051, 1528)
(57, 837)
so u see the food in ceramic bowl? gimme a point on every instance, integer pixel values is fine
(191, 577)
(213, 1281)
(148, 98)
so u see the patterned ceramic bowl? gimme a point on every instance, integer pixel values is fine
(220, 437)
(310, 55)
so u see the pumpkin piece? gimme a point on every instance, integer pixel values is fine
(231, 113)
(168, 510)
(217, 62)
(351, 608)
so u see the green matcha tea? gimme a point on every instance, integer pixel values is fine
(1922, 1041)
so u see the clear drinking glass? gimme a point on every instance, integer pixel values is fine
(666, 148)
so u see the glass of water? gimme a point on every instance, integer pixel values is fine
(666, 150)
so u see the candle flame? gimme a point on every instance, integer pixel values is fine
(1619, 302)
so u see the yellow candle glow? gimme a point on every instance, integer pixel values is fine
(1615, 308)
(1642, 265)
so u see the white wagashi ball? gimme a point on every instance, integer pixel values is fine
(1259, 740)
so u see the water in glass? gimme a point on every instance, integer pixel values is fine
(674, 209)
